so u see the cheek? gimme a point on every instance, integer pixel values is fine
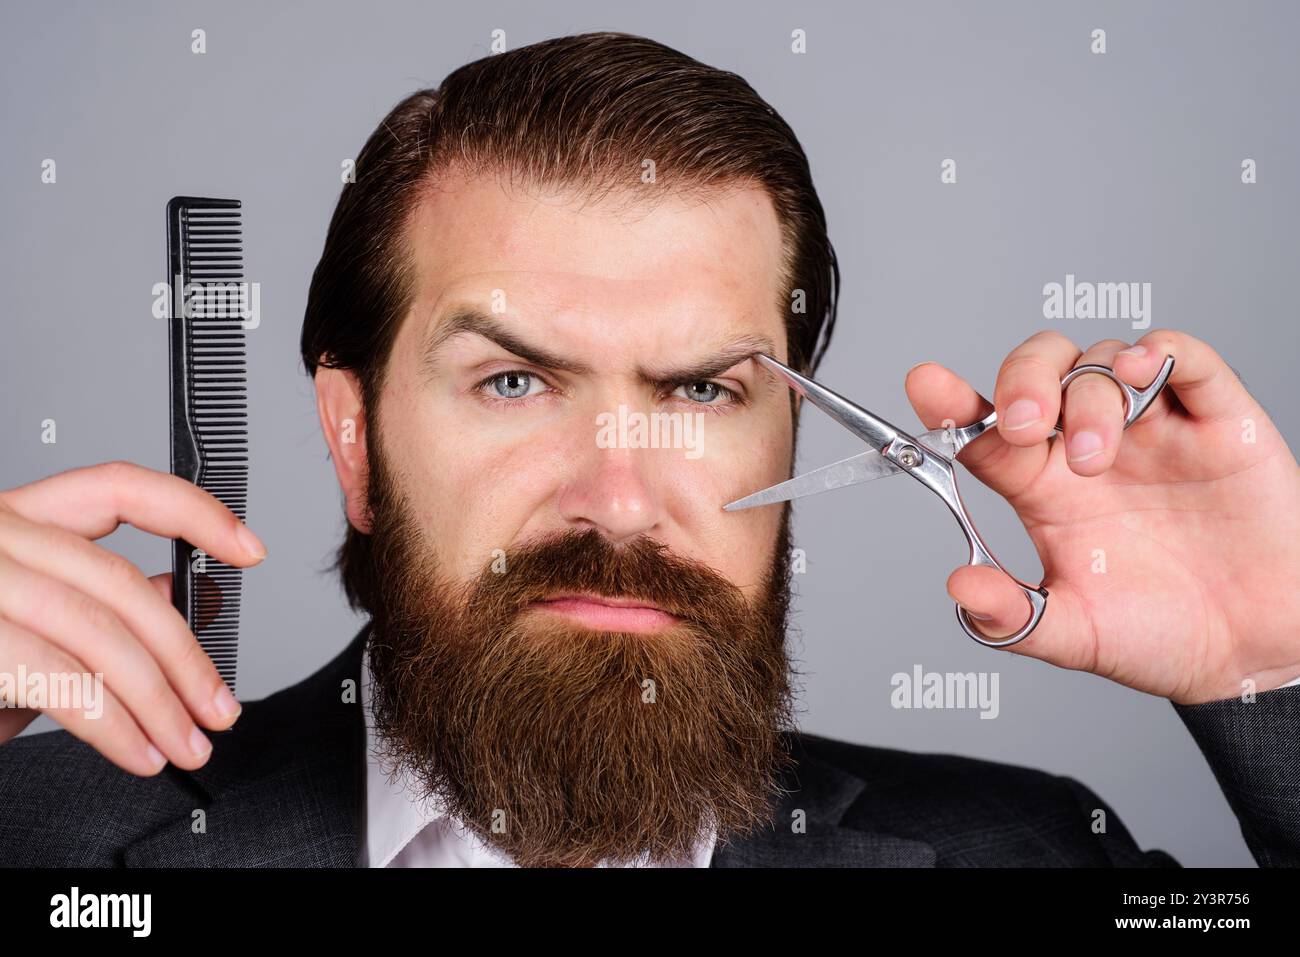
(474, 487)
(736, 459)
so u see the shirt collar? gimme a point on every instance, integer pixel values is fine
(395, 811)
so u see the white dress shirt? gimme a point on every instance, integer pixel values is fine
(404, 831)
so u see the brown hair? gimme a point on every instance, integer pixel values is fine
(581, 111)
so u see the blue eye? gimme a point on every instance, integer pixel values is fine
(707, 394)
(511, 385)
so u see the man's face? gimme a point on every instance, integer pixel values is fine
(546, 575)
(616, 295)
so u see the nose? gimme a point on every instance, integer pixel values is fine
(615, 493)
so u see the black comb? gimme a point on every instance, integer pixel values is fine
(209, 411)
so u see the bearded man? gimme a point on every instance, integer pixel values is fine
(574, 656)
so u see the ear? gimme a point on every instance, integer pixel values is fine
(343, 420)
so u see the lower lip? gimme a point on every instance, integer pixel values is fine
(609, 617)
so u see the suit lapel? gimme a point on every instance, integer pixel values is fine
(297, 759)
(819, 795)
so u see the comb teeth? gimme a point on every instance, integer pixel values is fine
(209, 403)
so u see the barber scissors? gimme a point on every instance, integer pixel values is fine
(928, 458)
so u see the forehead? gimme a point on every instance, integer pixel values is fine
(695, 255)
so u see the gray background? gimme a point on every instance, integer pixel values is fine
(1122, 167)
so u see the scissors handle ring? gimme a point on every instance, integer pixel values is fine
(1037, 598)
(1136, 401)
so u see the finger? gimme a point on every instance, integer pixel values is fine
(1205, 385)
(999, 609)
(1094, 414)
(95, 500)
(163, 585)
(996, 603)
(101, 720)
(943, 398)
(1028, 390)
(89, 632)
(117, 584)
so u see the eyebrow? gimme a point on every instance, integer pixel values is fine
(467, 319)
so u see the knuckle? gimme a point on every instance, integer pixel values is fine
(120, 571)
(1105, 345)
(116, 469)
(1026, 365)
(118, 476)
(97, 616)
(1049, 337)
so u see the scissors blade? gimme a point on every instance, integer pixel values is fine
(876, 432)
(851, 471)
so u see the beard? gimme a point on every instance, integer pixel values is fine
(565, 746)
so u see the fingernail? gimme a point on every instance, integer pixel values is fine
(252, 544)
(1022, 413)
(1133, 351)
(156, 759)
(1084, 445)
(199, 743)
(225, 703)
(979, 617)
(923, 362)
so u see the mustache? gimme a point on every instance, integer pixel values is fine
(644, 570)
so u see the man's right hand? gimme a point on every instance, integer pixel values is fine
(68, 606)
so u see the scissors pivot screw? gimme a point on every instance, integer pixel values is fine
(909, 457)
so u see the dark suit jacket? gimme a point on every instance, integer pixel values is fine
(286, 788)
